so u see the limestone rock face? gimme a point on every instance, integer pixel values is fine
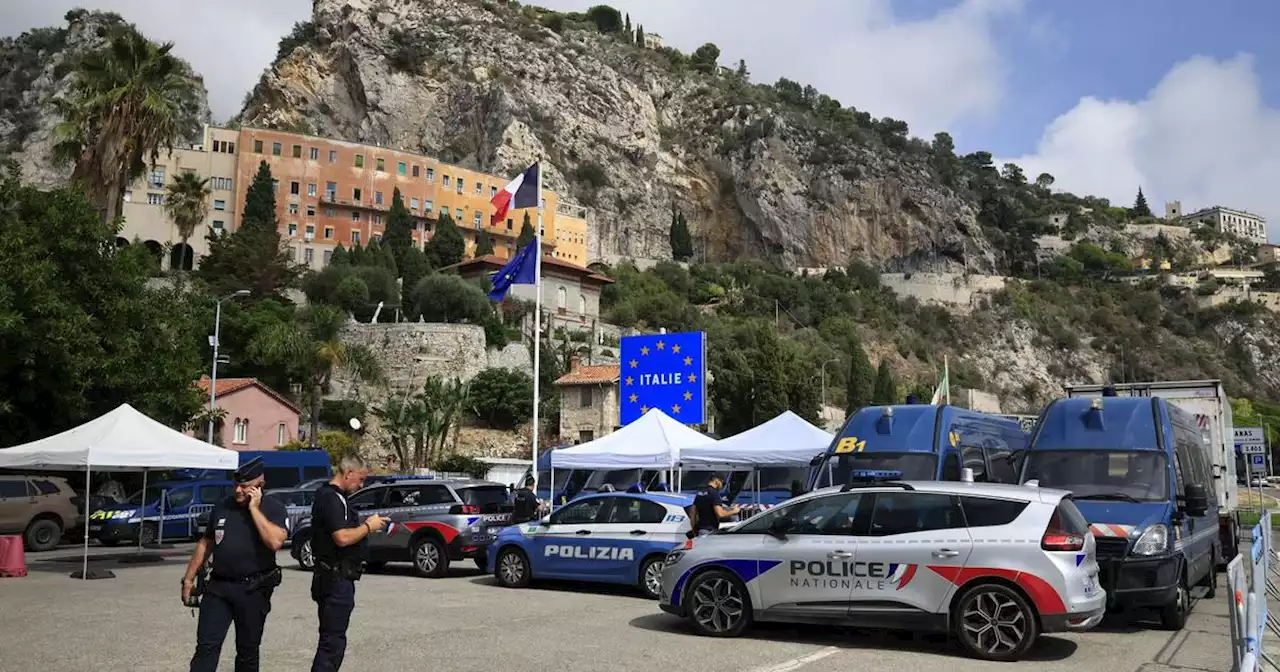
(622, 130)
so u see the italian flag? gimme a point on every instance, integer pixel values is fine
(521, 193)
(943, 392)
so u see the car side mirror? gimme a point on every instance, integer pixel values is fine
(817, 459)
(1014, 456)
(1196, 500)
(545, 522)
(781, 526)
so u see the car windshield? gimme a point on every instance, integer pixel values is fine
(1101, 474)
(487, 497)
(839, 469)
(775, 478)
(152, 496)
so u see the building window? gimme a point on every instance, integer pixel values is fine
(328, 235)
(413, 204)
(311, 211)
(157, 178)
(297, 151)
(295, 188)
(355, 216)
(282, 430)
(428, 205)
(356, 194)
(311, 232)
(445, 180)
(431, 175)
(257, 146)
(381, 165)
(355, 237)
(359, 160)
(333, 156)
(154, 198)
(582, 304)
(330, 212)
(219, 204)
(331, 190)
(562, 298)
(242, 431)
(377, 220)
(311, 189)
(510, 223)
(401, 168)
(377, 197)
(477, 219)
(314, 154)
(222, 183)
(457, 214)
(586, 396)
(493, 191)
(231, 148)
(586, 436)
(293, 228)
(328, 254)
(276, 148)
(460, 183)
(416, 170)
(308, 255)
(479, 189)
(218, 227)
(293, 208)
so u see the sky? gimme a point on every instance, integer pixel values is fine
(1180, 97)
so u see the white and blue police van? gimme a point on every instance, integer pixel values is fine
(615, 537)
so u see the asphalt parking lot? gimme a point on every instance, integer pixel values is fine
(50, 622)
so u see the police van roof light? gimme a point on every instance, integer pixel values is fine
(876, 474)
(966, 475)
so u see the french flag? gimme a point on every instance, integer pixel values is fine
(521, 193)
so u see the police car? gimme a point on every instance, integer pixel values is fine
(994, 564)
(604, 538)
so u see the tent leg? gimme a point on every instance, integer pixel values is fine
(84, 567)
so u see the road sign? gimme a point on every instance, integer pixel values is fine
(667, 372)
(1258, 464)
(1252, 449)
(1250, 435)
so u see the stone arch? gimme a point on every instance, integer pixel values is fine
(182, 257)
(156, 250)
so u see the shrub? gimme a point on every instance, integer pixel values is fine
(448, 298)
(502, 398)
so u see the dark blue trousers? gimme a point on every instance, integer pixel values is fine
(223, 604)
(335, 598)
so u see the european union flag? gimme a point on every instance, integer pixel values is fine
(665, 371)
(521, 270)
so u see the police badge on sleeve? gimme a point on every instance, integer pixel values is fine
(218, 533)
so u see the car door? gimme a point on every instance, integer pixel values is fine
(562, 549)
(366, 503)
(177, 502)
(910, 547)
(809, 570)
(621, 540)
(16, 500)
(207, 497)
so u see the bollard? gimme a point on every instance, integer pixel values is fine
(13, 562)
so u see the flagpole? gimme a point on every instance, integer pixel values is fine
(537, 330)
(946, 378)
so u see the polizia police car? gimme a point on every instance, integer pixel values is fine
(606, 538)
(994, 564)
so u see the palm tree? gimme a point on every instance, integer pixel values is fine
(125, 104)
(313, 345)
(187, 203)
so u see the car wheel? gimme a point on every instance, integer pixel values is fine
(430, 558)
(1210, 581)
(1174, 615)
(513, 568)
(718, 604)
(994, 622)
(651, 577)
(306, 557)
(43, 535)
(149, 534)
(109, 543)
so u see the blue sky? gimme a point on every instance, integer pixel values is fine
(1181, 97)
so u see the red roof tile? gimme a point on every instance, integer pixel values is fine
(597, 374)
(228, 385)
(496, 262)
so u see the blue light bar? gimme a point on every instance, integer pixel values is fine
(876, 474)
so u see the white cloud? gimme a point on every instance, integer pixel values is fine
(1203, 136)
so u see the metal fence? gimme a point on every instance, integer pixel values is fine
(1249, 616)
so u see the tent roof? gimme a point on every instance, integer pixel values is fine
(653, 441)
(787, 440)
(122, 439)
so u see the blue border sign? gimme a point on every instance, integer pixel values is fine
(664, 371)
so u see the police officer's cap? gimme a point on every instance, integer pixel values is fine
(249, 470)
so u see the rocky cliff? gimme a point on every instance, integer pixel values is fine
(35, 68)
(628, 132)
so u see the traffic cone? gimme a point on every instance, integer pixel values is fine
(13, 562)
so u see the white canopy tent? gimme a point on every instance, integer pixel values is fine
(785, 441)
(655, 441)
(121, 440)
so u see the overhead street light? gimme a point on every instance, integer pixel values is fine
(213, 341)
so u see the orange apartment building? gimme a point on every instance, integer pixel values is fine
(331, 192)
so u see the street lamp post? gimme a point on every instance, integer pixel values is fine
(823, 411)
(213, 377)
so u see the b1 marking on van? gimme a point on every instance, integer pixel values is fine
(850, 444)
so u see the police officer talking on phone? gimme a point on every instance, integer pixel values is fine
(338, 543)
(243, 534)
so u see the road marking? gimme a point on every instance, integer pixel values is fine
(797, 663)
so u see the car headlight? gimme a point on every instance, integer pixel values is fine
(672, 558)
(477, 529)
(1154, 540)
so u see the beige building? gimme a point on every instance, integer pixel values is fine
(145, 219)
(570, 293)
(1237, 222)
(588, 401)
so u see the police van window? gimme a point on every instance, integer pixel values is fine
(212, 494)
(281, 477)
(951, 468)
(634, 510)
(984, 511)
(908, 512)
(180, 498)
(975, 460)
(579, 513)
(1000, 466)
(312, 473)
(832, 515)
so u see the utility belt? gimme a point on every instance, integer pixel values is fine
(252, 582)
(349, 569)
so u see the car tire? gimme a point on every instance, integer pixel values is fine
(149, 533)
(482, 563)
(512, 570)
(305, 556)
(43, 534)
(1210, 581)
(430, 557)
(109, 543)
(651, 577)
(718, 604)
(1174, 616)
(988, 615)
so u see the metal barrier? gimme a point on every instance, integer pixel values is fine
(1249, 615)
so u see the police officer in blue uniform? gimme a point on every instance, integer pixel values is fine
(243, 534)
(339, 543)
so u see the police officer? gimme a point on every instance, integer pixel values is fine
(525, 506)
(709, 509)
(338, 543)
(243, 534)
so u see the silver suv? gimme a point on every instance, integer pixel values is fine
(432, 522)
(996, 565)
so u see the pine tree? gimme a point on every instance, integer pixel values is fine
(627, 28)
(861, 384)
(446, 246)
(640, 35)
(1140, 207)
(886, 390)
(399, 234)
(681, 240)
(527, 233)
(340, 256)
(484, 244)
(260, 200)
(251, 257)
(357, 255)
